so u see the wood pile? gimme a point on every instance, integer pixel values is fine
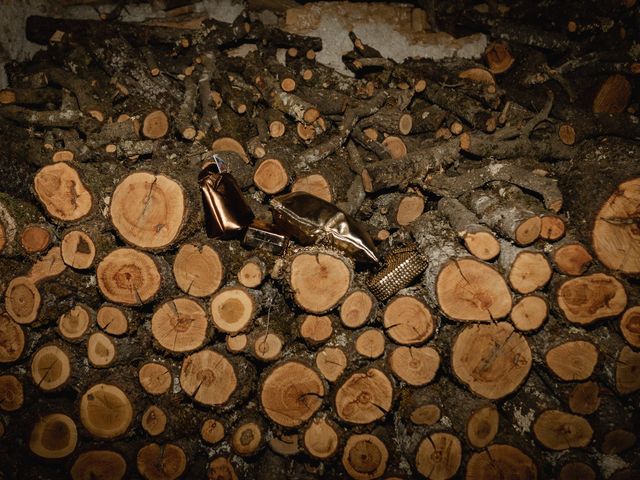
(133, 346)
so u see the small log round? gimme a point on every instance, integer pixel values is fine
(22, 300)
(112, 320)
(212, 431)
(232, 309)
(627, 371)
(426, 415)
(268, 346)
(34, 239)
(356, 308)
(413, 365)
(180, 325)
(613, 95)
(572, 259)
(331, 362)
(271, 176)
(409, 209)
(576, 471)
(617, 441)
(228, 144)
(198, 270)
(468, 289)
(54, 436)
(128, 277)
(529, 272)
(161, 462)
(237, 343)
(408, 321)
(492, 359)
(12, 339)
(630, 326)
(73, 324)
(615, 237)
(101, 351)
(62, 193)
(584, 399)
(99, 464)
(148, 210)
(498, 57)
(316, 329)
(558, 430)
(11, 393)
(220, 468)
(320, 439)
(529, 313)
(365, 457)
(584, 300)
(315, 184)
(370, 343)
(155, 378)
(364, 397)
(50, 368)
(319, 281)
(552, 227)
(247, 438)
(482, 426)
(105, 411)
(439, 456)
(155, 125)
(573, 361)
(78, 250)
(154, 421)
(291, 393)
(252, 273)
(501, 461)
(395, 146)
(208, 377)
(49, 266)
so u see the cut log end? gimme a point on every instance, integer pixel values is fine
(316, 329)
(155, 378)
(492, 359)
(584, 300)
(232, 309)
(128, 277)
(12, 339)
(408, 321)
(530, 271)
(22, 300)
(356, 309)
(54, 436)
(268, 347)
(529, 313)
(331, 362)
(112, 320)
(500, 460)
(283, 390)
(572, 259)
(364, 397)
(558, 430)
(62, 193)
(271, 177)
(78, 250)
(365, 457)
(50, 368)
(155, 125)
(471, 290)
(573, 361)
(208, 377)
(370, 343)
(315, 184)
(482, 426)
(630, 326)
(198, 270)
(584, 399)
(154, 421)
(321, 439)
(246, 438)
(99, 464)
(415, 366)
(483, 245)
(105, 411)
(148, 210)
(319, 281)
(11, 393)
(615, 233)
(158, 462)
(212, 431)
(439, 456)
(34, 239)
(180, 325)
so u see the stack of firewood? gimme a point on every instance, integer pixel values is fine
(132, 344)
